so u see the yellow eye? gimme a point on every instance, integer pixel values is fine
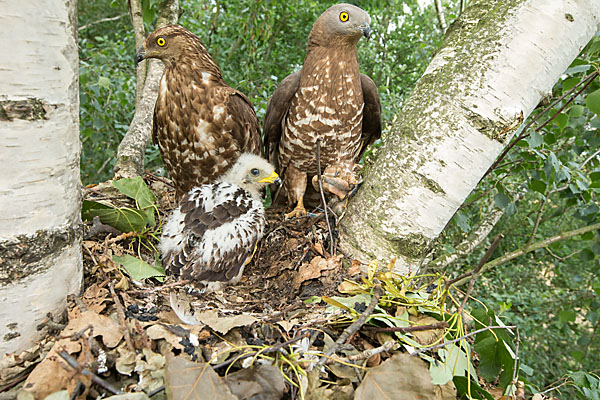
(344, 16)
(161, 41)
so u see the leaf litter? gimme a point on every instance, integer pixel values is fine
(264, 338)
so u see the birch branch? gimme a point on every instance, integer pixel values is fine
(130, 155)
(439, 12)
(527, 249)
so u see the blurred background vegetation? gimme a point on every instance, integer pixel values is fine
(547, 184)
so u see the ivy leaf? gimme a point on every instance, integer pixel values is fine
(137, 268)
(136, 189)
(534, 139)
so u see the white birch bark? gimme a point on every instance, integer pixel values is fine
(40, 241)
(498, 60)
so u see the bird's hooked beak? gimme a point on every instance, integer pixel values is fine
(273, 178)
(365, 29)
(140, 55)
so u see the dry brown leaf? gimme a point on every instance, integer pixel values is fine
(263, 381)
(315, 268)
(103, 326)
(158, 331)
(125, 362)
(223, 324)
(445, 392)
(95, 298)
(400, 377)
(354, 268)
(185, 379)
(53, 374)
(429, 337)
(349, 287)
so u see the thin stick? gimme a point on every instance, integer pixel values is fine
(366, 354)
(266, 350)
(405, 329)
(331, 243)
(121, 314)
(514, 377)
(437, 346)
(73, 363)
(182, 282)
(356, 325)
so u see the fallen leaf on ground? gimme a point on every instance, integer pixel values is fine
(185, 379)
(425, 338)
(223, 324)
(263, 381)
(103, 326)
(400, 377)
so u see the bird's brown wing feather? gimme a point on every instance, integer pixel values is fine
(371, 124)
(245, 126)
(277, 108)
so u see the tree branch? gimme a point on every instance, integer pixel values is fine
(84, 27)
(527, 249)
(130, 155)
(439, 12)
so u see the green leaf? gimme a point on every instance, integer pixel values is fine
(467, 388)
(124, 219)
(501, 200)
(592, 101)
(538, 186)
(534, 139)
(561, 120)
(137, 268)
(136, 189)
(576, 111)
(462, 221)
(567, 316)
(104, 82)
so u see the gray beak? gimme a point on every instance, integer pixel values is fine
(140, 55)
(365, 29)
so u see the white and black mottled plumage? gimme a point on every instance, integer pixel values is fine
(213, 233)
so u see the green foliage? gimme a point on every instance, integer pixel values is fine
(548, 184)
(255, 43)
(125, 219)
(138, 269)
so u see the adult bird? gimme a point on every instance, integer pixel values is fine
(328, 101)
(200, 123)
(213, 233)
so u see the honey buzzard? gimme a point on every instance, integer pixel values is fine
(328, 100)
(213, 233)
(201, 124)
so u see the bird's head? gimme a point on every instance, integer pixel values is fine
(344, 22)
(168, 44)
(252, 173)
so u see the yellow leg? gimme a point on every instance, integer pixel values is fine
(299, 211)
(251, 255)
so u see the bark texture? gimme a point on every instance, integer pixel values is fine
(130, 155)
(498, 60)
(40, 189)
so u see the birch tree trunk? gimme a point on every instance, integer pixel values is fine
(498, 60)
(40, 240)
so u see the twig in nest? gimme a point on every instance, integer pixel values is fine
(78, 367)
(332, 244)
(356, 325)
(182, 282)
(437, 346)
(121, 314)
(417, 328)
(266, 350)
(365, 355)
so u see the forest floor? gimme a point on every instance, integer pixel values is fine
(302, 324)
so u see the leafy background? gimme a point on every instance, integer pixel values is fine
(547, 184)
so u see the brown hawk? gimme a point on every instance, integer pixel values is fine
(213, 233)
(328, 100)
(201, 124)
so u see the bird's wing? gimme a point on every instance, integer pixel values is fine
(277, 108)
(371, 124)
(244, 125)
(221, 224)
